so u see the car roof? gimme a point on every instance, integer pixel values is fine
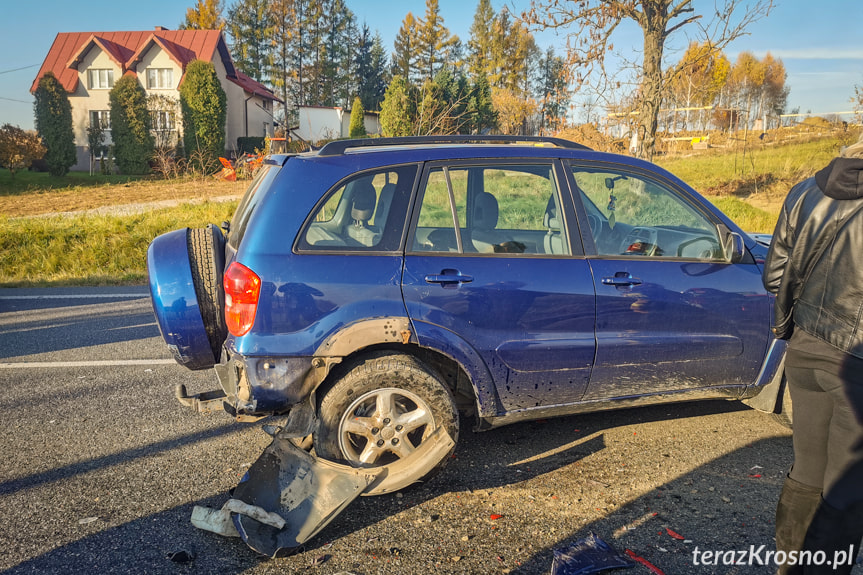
(340, 147)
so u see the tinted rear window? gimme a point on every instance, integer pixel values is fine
(250, 200)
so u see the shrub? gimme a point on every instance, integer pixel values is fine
(204, 107)
(357, 126)
(250, 144)
(54, 125)
(130, 126)
(18, 148)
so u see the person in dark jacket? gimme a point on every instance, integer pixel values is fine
(815, 268)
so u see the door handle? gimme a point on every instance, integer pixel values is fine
(448, 278)
(621, 279)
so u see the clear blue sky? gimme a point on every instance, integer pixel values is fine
(819, 42)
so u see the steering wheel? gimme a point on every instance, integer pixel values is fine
(640, 242)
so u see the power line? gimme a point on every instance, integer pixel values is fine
(17, 69)
(14, 100)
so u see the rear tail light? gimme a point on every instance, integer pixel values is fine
(242, 290)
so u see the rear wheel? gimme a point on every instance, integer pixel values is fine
(207, 262)
(380, 413)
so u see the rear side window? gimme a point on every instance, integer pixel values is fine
(491, 209)
(365, 213)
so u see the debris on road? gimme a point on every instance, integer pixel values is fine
(289, 495)
(588, 555)
(87, 520)
(644, 562)
(182, 556)
(216, 521)
(674, 534)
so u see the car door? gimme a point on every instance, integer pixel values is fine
(489, 260)
(673, 313)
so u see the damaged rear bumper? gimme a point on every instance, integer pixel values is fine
(289, 496)
(253, 388)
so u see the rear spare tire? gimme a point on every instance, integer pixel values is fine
(207, 263)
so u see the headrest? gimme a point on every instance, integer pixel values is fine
(363, 201)
(485, 212)
(550, 219)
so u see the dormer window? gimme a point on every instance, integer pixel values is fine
(160, 78)
(100, 79)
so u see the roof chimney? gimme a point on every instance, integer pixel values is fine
(161, 29)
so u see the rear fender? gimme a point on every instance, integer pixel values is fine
(449, 344)
(400, 330)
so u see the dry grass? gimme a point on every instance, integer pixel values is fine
(82, 197)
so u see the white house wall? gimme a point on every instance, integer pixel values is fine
(316, 124)
(83, 100)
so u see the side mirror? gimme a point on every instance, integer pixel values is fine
(609, 183)
(734, 247)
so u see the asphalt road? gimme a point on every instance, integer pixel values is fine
(101, 468)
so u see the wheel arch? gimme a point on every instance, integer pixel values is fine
(453, 359)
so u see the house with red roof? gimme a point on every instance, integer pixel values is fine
(87, 64)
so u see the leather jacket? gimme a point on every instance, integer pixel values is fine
(815, 261)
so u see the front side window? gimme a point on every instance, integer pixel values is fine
(633, 215)
(100, 79)
(160, 78)
(366, 213)
(502, 209)
(101, 119)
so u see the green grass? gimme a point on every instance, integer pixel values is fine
(748, 217)
(791, 162)
(91, 250)
(25, 181)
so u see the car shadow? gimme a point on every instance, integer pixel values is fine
(483, 463)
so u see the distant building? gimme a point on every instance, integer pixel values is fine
(87, 64)
(318, 123)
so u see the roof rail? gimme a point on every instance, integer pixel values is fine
(338, 147)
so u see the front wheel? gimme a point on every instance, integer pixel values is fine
(380, 413)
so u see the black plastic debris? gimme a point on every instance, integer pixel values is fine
(306, 491)
(182, 556)
(588, 555)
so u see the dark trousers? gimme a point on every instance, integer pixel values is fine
(828, 433)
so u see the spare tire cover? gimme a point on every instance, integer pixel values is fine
(185, 301)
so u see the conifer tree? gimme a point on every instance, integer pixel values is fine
(204, 106)
(130, 126)
(358, 115)
(54, 125)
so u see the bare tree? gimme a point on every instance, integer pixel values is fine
(594, 22)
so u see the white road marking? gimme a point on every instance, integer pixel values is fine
(95, 363)
(75, 296)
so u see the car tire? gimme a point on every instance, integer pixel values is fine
(207, 262)
(784, 414)
(379, 412)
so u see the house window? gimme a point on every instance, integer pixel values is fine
(163, 121)
(101, 79)
(160, 78)
(101, 118)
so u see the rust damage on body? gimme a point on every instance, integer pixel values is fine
(372, 332)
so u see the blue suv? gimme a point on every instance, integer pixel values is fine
(374, 289)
